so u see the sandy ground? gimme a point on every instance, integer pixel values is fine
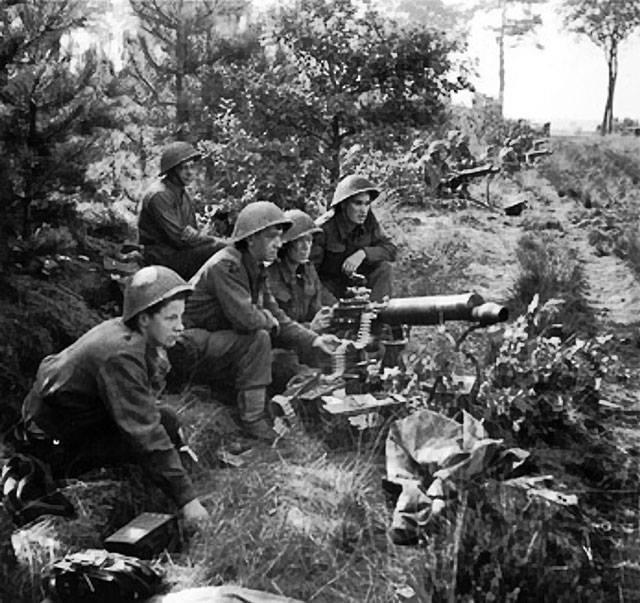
(489, 241)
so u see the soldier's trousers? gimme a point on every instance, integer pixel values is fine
(378, 280)
(205, 356)
(100, 446)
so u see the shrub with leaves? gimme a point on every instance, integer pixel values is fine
(543, 387)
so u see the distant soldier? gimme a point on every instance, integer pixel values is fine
(167, 224)
(95, 402)
(232, 318)
(353, 242)
(508, 157)
(436, 169)
(461, 157)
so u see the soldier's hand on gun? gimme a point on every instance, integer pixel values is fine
(352, 263)
(322, 319)
(271, 320)
(327, 343)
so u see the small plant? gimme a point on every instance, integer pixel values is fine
(541, 387)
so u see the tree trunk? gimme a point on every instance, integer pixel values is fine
(503, 22)
(336, 143)
(612, 65)
(182, 111)
(32, 142)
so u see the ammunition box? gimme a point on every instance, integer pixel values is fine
(145, 536)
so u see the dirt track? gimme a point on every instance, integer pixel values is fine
(490, 239)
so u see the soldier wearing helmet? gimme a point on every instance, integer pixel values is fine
(352, 242)
(95, 402)
(293, 279)
(435, 169)
(167, 222)
(232, 317)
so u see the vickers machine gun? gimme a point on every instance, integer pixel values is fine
(462, 177)
(374, 332)
(367, 381)
(530, 156)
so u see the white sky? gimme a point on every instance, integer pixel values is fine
(563, 82)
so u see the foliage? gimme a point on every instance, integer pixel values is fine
(49, 103)
(548, 267)
(178, 38)
(607, 24)
(539, 386)
(339, 69)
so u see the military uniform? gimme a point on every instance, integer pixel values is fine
(299, 293)
(339, 239)
(94, 403)
(167, 228)
(227, 324)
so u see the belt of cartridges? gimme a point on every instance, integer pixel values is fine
(338, 358)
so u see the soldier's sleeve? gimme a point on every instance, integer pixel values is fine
(382, 248)
(180, 235)
(291, 334)
(126, 392)
(234, 297)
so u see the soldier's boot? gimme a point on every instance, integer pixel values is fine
(253, 415)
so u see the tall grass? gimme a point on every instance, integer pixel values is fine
(549, 267)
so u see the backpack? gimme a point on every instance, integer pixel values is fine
(28, 490)
(97, 576)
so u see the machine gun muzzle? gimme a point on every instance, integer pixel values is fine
(437, 309)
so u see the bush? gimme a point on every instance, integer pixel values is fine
(548, 267)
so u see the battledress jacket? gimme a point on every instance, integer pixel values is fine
(299, 293)
(231, 292)
(167, 220)
(340, 238)
(107, 377)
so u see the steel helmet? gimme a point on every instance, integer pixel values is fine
(436, 146)
(257, 216)
(176, 153)
(301, 224)
(149, 286)
(352, 185)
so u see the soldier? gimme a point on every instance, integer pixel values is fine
(95, 402)
(167, 223)
(232, 316)
(508, 156)
(293, 278)
(461, 156)
(352, 242)
(435, 168)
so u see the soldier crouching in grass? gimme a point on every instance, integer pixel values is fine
(167, 224)
(353, 242)
(232, 317)
(95, 402)
(296, 287)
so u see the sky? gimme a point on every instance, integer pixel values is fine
(563, 82)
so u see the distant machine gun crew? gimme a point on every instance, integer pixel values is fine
(352, 244)
(450, 167)
(167, 225)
